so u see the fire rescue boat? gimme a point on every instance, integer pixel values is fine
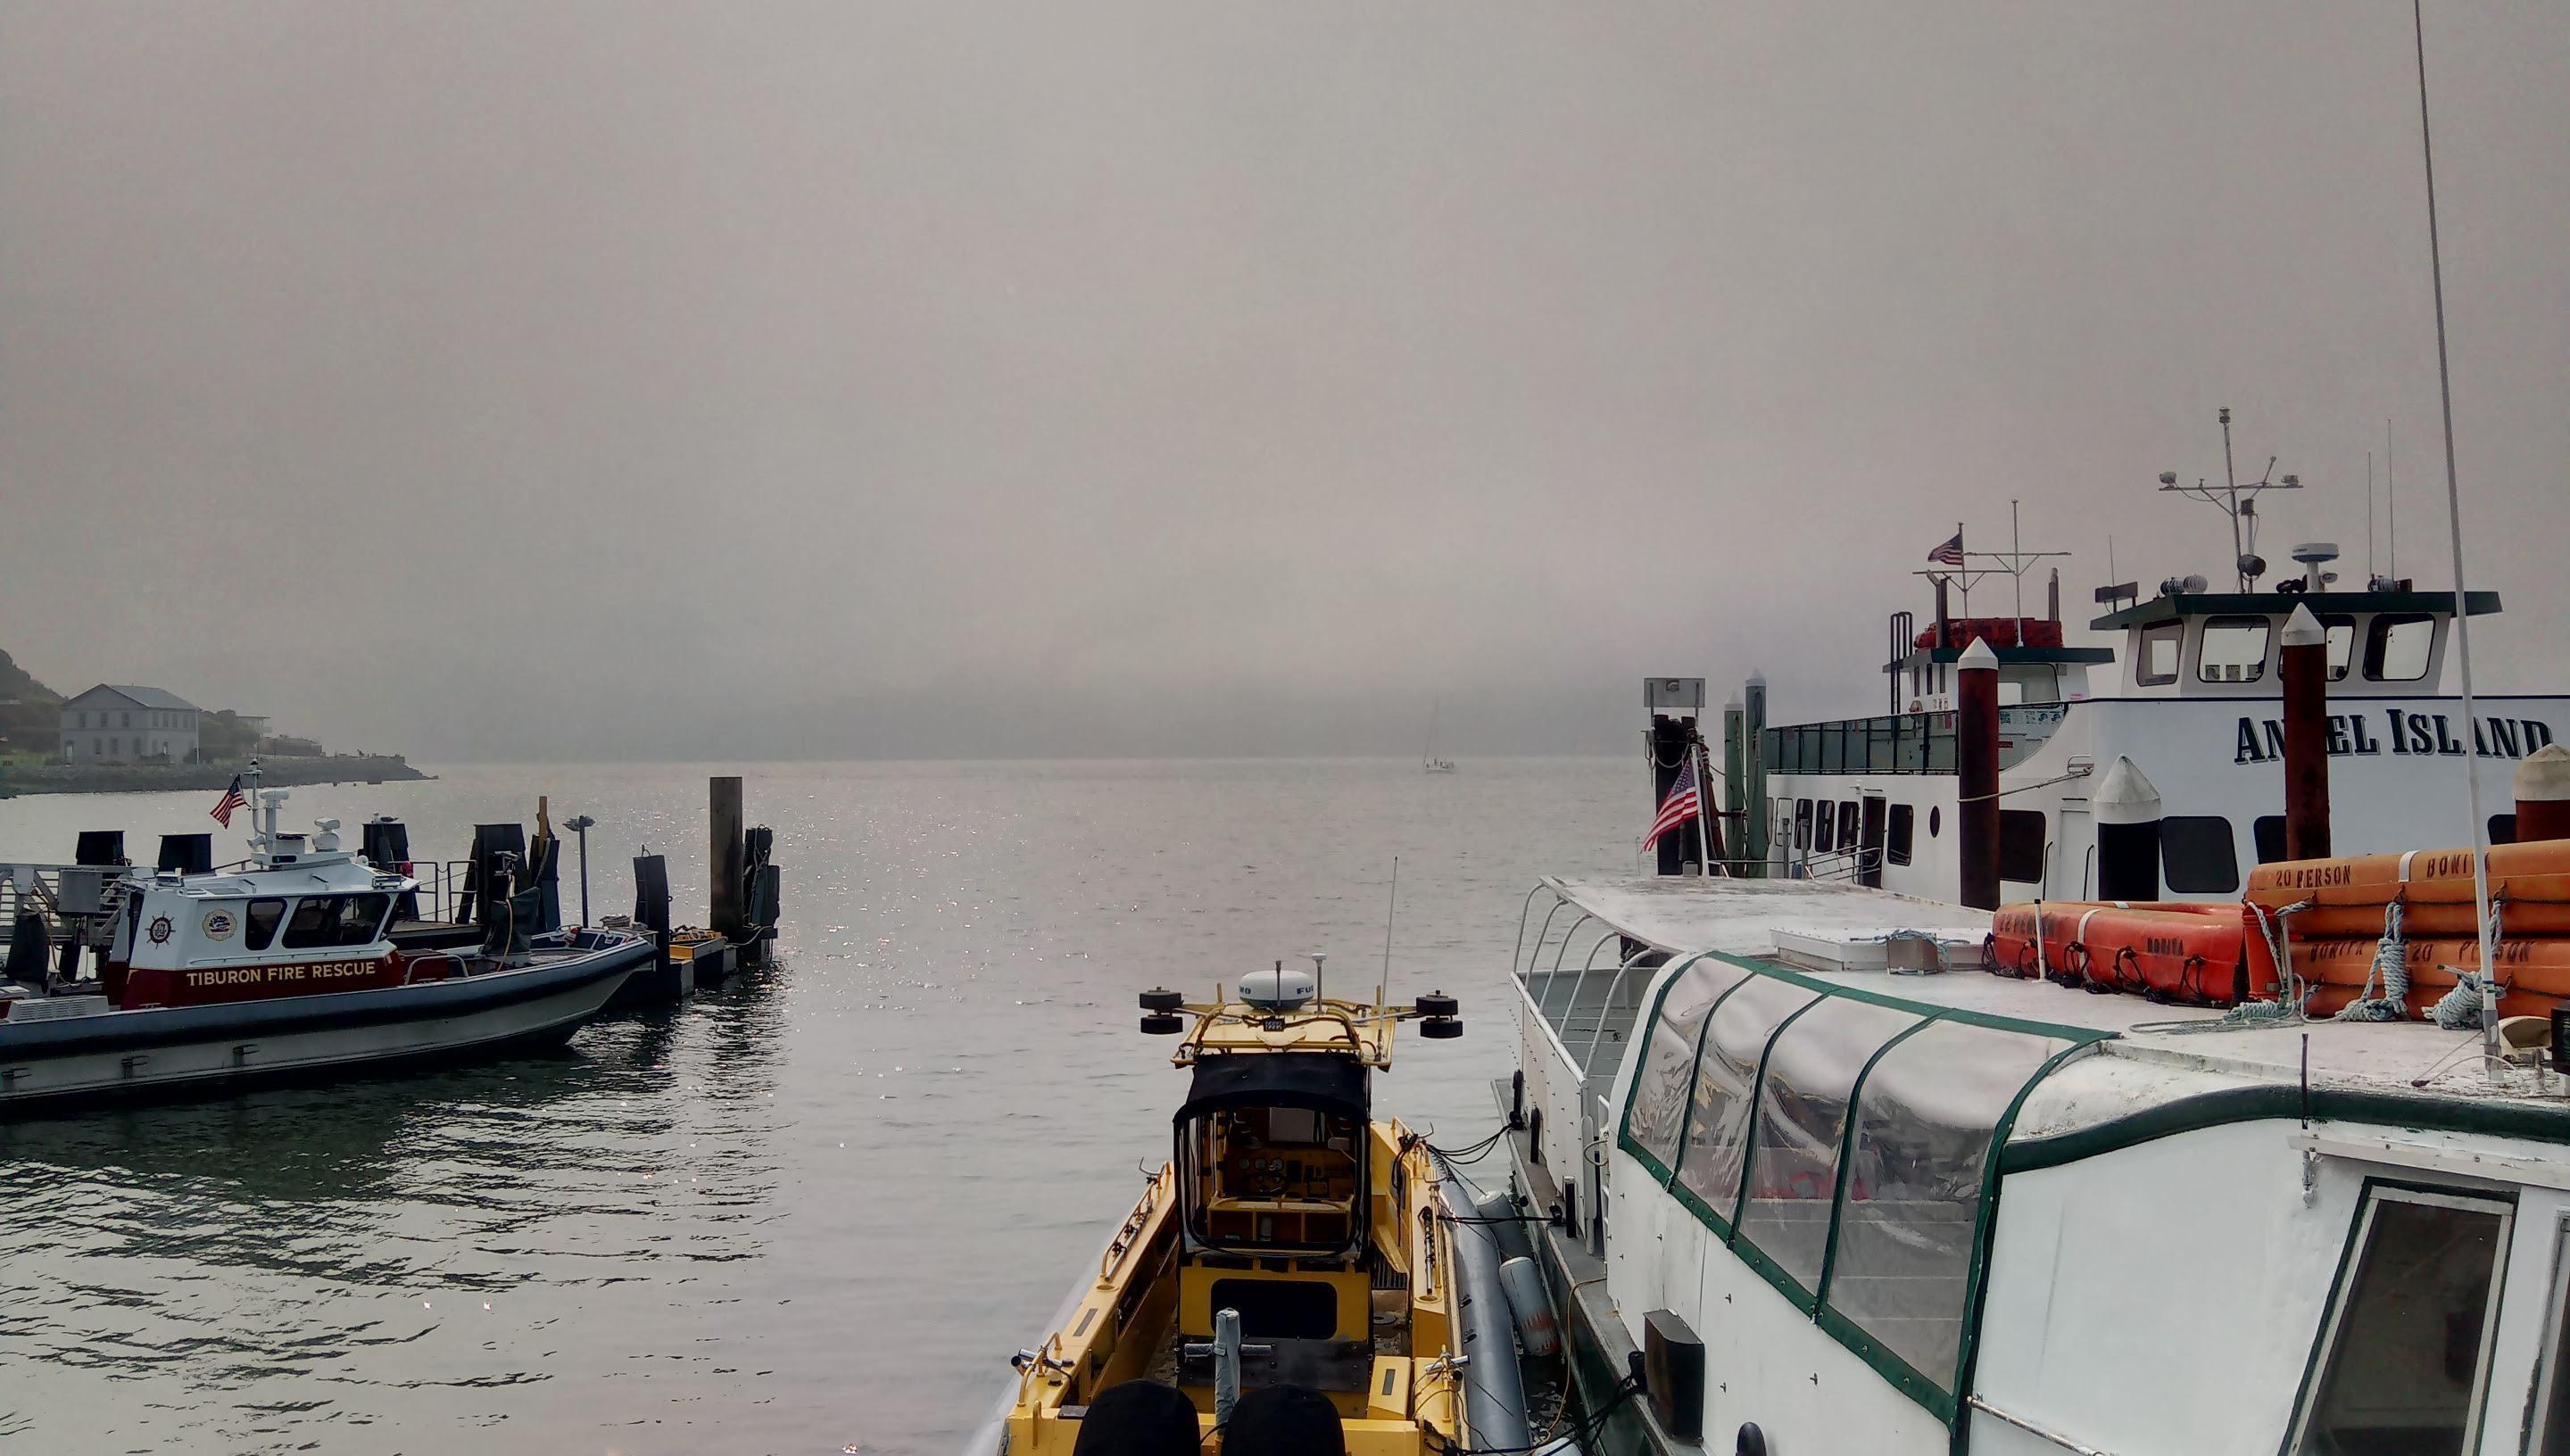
(284, 966)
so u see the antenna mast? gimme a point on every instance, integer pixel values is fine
(2238, 501)
(2462, 602)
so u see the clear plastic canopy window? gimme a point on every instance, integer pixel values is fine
(1864, 1127)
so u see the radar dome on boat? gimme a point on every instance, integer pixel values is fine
(1281, 989)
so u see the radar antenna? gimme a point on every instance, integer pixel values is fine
(2237, 501)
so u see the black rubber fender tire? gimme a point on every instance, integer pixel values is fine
(1442, 1028)
(1437, 1003)
(1163, 999)
(1162, 1023)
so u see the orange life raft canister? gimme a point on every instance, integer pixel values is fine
(2347, 894)
(2177, 950)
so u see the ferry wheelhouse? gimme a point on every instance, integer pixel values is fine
(2191, 696)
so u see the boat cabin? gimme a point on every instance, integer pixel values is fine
(1270, 1153)
(302, 917)
(2202, 645)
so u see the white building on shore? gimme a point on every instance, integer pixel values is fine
(122, 723)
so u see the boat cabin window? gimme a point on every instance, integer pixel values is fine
(2196, 855)
(1812, 1073)
(1666, 1079)
(2157, 661)
(1897, 839)
(1847, 813)
(2021, 844)
(2551, 1433)
(1802, 824)
(1825, 825)
(2233, 649)
(2403, 1359)
(2023, 682)
(259, 920)
(335, 919)
(2502, 829)
(2269, 831)
(2397, 647)
(2341, 645)
(1923, 1126)
(1716, 1145)
(1281, 1178)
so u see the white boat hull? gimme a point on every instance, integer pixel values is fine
(62, 1065)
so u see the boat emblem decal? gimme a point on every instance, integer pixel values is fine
(217, 925)
(160, 931)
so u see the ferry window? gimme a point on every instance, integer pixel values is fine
(1910, 1219)
(2395, 649)
(2159, 653)
(259, 927)
(2502, 829)
(1667, 1076)
(2037, 683)
(2021, 844)
(2197, 855)
(1717, 1131)
(335, 919)
(1802, 824)
(2341, 645)
(1825, 824)
(2233, 649)
(1936, 820)
(2552, 1390)
(1802, 1123)
(2269, 830)
(1848, 823)
(1896, 847)
(2401, 1367)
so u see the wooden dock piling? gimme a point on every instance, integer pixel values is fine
(728, 911)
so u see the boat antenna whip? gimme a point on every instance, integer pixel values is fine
(1391, 904)
(2462, 600)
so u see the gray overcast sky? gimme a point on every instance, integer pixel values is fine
(587, 379)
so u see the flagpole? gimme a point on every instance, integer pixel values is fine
(1963, 572)
(1703, 796)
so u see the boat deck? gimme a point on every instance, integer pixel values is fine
(2157, 1051)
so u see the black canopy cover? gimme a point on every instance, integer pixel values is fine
(1327, 1082)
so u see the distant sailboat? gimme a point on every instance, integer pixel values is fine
(1428, 762)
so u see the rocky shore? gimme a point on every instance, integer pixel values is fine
(275, 773)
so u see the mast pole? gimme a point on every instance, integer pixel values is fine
(2231, 479)
(2016, 566)
(2462, 600)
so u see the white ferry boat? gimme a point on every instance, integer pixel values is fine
(1794, 1157)
(283, 966)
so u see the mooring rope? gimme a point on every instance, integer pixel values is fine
(2390, 966)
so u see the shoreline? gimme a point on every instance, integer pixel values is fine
(275, 773)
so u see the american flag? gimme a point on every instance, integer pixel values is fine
(1950, 554)
(232, 799)
(1682, 804)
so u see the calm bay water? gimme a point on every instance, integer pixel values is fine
(814, 1210)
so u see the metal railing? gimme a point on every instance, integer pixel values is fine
(1899, 743)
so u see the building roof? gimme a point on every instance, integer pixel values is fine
(140, 697)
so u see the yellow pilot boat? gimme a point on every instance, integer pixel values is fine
(1294, 1239)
